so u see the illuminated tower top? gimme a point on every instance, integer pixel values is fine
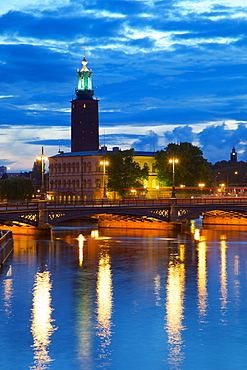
(85, 86)
(233, 156)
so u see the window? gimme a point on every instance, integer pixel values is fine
(97, 166)
(84, 105)
(98, 183)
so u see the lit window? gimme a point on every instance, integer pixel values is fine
(84, 105)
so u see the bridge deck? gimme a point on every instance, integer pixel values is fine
(169, 210)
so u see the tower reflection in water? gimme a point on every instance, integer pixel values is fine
(41, 327)
(175, 307)
(104, 301)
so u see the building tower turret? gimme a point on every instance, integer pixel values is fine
(84, 114)
(234, 156)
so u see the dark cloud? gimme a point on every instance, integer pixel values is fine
(61, 142)
(156, 64)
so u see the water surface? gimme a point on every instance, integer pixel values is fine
(125, 299)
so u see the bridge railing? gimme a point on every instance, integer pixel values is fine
(18, 205)
(149, 202)
(34, 205)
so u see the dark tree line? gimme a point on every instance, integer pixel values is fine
(16, 188)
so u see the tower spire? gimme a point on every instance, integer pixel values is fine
(84, 83)
(84, 113)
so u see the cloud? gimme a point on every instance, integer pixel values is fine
(148, 143)
(163, 70)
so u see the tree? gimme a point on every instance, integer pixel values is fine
(230, 173)
(190, 170)
(124, 173)
(5, 176)
(16, 188)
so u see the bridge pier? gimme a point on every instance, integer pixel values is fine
(173, 211)
(43, 218)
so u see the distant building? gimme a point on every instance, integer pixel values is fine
(81, 175)
(3, 170)
(233, 156)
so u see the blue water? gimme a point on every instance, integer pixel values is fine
(114, 299)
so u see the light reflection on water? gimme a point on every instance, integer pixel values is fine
(202, 279)
(104, 294)
(175, 307)
(42, 327)
(123, 299)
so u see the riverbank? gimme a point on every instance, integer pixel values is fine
(6, 245)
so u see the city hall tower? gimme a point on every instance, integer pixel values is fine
(84, 114)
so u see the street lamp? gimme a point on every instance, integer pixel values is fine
(201, 186)
(42, 158)
(104, 163)
(173, 161)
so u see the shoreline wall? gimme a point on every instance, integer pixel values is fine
(6, 246)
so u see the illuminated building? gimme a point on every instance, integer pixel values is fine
(84, 114)
(81, 173)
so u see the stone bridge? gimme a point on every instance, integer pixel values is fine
(169, 210)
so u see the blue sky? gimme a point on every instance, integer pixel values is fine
(164, 71)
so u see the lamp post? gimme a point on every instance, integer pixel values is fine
(42, 158)
(173, 161)
(201, 186)
(104, 163)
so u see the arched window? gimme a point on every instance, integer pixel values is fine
(68, 167)
(98, 183)
(89, 167)
(153, 167)
(51, 167)
(89, 184)
(64, 168)
(51, 184)
(64, 184)
(59, 168)
(97, 166)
